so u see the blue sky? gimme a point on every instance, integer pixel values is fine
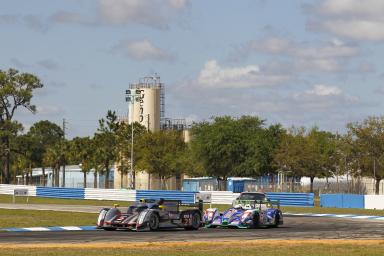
(293, 62)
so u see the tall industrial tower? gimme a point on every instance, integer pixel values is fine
(146, 102)
(146, 106)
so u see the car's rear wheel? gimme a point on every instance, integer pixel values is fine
(195, 222)
(153, 222)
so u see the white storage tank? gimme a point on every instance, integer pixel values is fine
(146, 103)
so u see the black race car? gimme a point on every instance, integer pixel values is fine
(152, 215)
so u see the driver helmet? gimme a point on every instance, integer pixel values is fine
(161, 201)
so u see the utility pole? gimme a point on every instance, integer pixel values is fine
(131, 96)
(64, 123)
(374, 175)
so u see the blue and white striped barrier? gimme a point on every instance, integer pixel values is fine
(342, 201)
(70, 193)
(292, 199)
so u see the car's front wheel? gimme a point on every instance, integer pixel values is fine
(277, 220)
(153, 222)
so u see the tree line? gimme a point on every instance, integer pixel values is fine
(221, 147)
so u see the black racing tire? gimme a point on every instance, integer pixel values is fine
(153, 222)
(196, 222)
(277, 220)
(255, 221)
(110, 229)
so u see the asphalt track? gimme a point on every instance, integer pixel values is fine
(295, 227)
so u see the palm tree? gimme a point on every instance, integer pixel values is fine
(53, 158)
(106, 141)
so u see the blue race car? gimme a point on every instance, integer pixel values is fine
(249, 210)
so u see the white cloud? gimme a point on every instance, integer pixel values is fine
(353, 7)
(325, 105)
(329, 56)
(322, 97)
(154, 13)
(213, 75)
(142, 50)
(323, 90)
(356, 29)
(356, 19)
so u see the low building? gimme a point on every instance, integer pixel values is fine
(74, 178)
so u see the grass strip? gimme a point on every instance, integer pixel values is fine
(7, 199)
(219, 248)
(29, 218)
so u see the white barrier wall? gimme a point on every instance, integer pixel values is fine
(8, 189)
(110, 194)
(374, 202)
(222, 197)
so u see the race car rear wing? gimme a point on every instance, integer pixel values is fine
(175, 204)
(199, 204)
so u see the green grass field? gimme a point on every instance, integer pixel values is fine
(265, 248)
(42, 200)
(27, 218)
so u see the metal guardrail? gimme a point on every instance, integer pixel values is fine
(55, 192)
